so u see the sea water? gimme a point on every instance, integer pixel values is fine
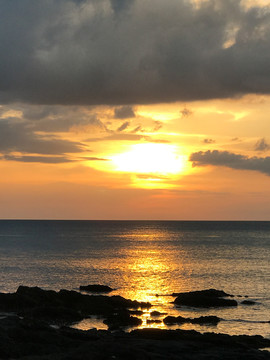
(143, 259)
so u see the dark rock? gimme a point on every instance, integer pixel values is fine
(25, 337)
(202, 320)
(122, 319)
(130, 304)
(248, 302)
(136, 312)
(31, 339)
(244, 341)
(208, 292)
(54, 315)
(210, 320)
(204, 298)
(96, 288)
(64, 306)
(157, 313)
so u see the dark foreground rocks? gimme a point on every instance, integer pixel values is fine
(204, 299)
(202, 320)
(38, 331)
(64, 307)
(96, 288)
(29, 339)
(122, 319)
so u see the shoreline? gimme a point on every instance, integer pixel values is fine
(41, 328)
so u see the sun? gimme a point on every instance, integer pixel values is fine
(151, 158)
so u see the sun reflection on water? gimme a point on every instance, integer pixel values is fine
(148, 264)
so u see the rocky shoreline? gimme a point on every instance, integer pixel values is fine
(35, 324)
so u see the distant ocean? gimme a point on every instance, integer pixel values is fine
(141, 259)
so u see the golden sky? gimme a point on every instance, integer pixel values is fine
(117, 110)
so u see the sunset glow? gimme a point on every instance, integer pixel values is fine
(162, 110)
(160, 159)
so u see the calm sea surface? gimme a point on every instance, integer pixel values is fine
(143, 258)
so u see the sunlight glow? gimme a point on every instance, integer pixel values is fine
(151, 158)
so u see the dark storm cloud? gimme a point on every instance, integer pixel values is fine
(120, 5)
(231, 160)
(93, 52)
(66, 123)
(124, 112)
(16, 136)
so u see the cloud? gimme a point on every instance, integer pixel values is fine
(231, 160)
(123, 126)
(137, 129)
(124, 112)
(59, 118)
(118, 52)
(92, 158)
(159, 141)
(127, 137)
(151, 176)
(120, 5)
(261, 145)
(157, 125)
(17, 136)
(208, 141)
(38, 159)
(118, 137)
(186, 112)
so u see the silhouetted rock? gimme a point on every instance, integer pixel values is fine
(157, 313)
(34, 339)
(221, 340)
(122, 319)
(96, 288)
(54, 315)
(136, 312)
(63, 306)
(248, 302)
(204, 298)
(208, 292)
(202, 320)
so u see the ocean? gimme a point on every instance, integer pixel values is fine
(147, 261)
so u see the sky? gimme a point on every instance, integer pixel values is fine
(135, 109)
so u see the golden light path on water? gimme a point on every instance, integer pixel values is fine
(148, 268)
(154, 261)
